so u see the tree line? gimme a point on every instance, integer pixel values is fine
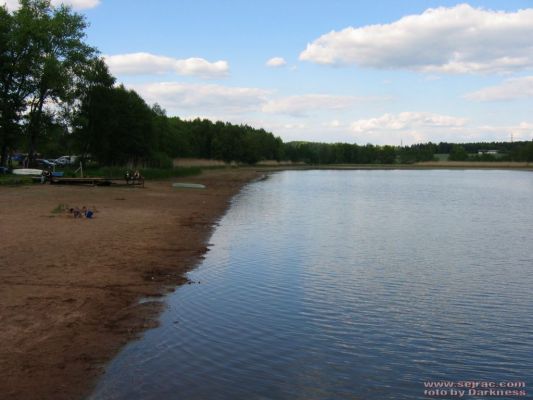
(58, 97)
(506, 151)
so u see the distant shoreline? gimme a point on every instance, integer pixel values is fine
(504, 165)
(275, 165)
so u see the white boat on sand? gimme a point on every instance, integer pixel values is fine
(27, 171)
(188, 185)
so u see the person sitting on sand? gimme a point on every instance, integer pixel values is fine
(137, 178)
(86, 212)
(75, 212)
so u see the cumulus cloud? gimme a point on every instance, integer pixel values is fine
(76, 4)
(202, 98)
(302, 105)
(406, 120)
(460, 39)
(213, 99)
(415, 127)
(511, 89)
(146, 63)
(412, 127)
(276, 62)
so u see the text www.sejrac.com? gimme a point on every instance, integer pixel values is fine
(475, 388)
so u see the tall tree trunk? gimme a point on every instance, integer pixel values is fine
(5, 139)
(3, 155)
(35, 126)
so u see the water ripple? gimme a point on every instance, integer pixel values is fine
(348, 285)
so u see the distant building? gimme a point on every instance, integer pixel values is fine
(492, 152)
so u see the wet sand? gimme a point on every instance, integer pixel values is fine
(69, 288)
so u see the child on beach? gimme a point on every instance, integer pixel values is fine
(84, 212)
(76, 213)
(87, 213)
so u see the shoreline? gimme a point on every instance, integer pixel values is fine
(70, 288)
(427, 165)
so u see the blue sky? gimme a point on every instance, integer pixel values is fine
(377, 72)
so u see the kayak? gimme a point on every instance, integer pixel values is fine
(27, 171)
(188, 185)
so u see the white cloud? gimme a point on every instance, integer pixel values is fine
(406, 120)
(335, 123)
(411, 127)
(76, 4)
(212, 99)
(303, 105)
(415, 131)
(202, 99)
(460, 39)
(146, 63)
(276, 62)
(511, 89)
(416, 127)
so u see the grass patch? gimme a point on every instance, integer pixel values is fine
(13, 180)
(60, 208)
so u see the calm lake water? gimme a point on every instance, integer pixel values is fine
(349, 285)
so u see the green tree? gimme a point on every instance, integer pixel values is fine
(94, 84)
(116, 126)
(458, 153)
(59, 34)
(18, 54)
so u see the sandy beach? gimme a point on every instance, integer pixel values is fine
(69, 288)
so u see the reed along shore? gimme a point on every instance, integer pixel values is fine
(70, 287)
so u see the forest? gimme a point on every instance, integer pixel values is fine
(58, 97)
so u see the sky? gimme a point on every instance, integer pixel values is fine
(380, 72)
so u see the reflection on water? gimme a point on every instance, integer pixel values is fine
(348, 285)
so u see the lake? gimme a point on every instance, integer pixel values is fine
(349, 285)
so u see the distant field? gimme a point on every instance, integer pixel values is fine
(475, 164)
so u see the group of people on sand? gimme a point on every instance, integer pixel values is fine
(83, 213)
(133, 176)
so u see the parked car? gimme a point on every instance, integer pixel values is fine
(46, 163)
(66, 160)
